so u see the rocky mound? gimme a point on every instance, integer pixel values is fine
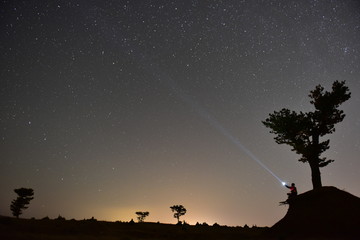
(325, 212)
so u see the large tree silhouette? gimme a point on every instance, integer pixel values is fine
(25, 195)
(302, 131)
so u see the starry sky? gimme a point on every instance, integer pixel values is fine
(111, 107)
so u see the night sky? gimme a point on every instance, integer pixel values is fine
(112, 107)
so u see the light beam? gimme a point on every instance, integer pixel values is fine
(214, 123)
(161, 76)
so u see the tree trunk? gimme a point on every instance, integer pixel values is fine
(314, 161)
(315, 175)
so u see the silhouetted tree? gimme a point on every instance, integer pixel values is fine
(25, 195)
(141, 216)
(302, 131)
(178, 211)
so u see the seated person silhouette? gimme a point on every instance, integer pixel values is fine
(293, 191)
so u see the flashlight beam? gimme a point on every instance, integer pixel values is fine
(214, 123)
(161, 75)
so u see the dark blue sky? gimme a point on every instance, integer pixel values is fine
(112, 107)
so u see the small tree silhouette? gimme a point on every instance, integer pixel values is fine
(23, 199)
(178, 211)
(141, 216)
(303, 131)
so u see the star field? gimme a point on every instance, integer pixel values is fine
(105, 105)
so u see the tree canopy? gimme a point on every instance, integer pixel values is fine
(178, 210)
(25, 195)
(142, 215)
(302, 131)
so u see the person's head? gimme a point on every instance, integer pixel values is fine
(293, 184)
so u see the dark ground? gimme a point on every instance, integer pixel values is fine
(326, 213)
(30, 229)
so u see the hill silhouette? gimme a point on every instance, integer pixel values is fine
(326, 212)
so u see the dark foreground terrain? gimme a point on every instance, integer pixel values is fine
(11, 228)
(326, 213)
